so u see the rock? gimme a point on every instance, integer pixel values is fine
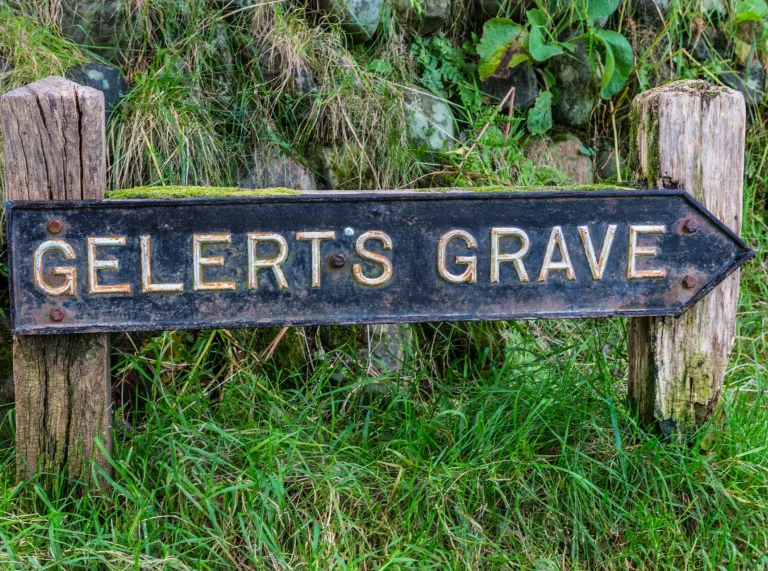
(387, 346)
(522, 78)
(577, 85)
(487, 9)
(99, 24)
(344, 168)
(359, 18)
(563, 154)
(750, 82)
(605, 166)
(711, 7)
(299, 77)
(105, 78)
(430, 120)
(278, 171)
(711, 46)
(650, 13)
(428, 17)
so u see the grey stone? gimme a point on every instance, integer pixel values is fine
(711, 45)
(605, 166)
(105, 78)
(487, 9)
(344, 168)
(577, 85)
(430, 120)
(99, 24)
(299, 76)
(359, 18)
(521, 77)
(750, 82)
(563, 154)
(428, 17)
(387, 346)
(278, 171)
(650, 13)
(713, 7)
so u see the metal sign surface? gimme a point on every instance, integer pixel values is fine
(336, 258)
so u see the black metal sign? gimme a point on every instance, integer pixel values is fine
(361, 258)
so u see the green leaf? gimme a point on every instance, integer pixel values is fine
(754, 10)
(500, 36)
(379, 66)
(618, 61)
(536, 17)
(538, 49)
(540, 115)
(601, 8)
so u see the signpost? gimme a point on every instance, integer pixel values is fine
(80, 266)
(361, 258)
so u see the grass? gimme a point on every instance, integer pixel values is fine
(497, 446)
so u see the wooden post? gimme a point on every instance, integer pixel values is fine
(54, 148)
(690, 135)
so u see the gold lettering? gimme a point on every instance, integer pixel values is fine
(636, 251)
(517, 258)
(69, 273)
(386, 264)
(470, 274)
(315, 238)
(556, 239)
(146, 272)
(254, 263)
(95, 265)
(199, 262)
(597, 266)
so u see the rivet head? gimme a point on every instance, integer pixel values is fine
(338, 260)
(691, 226)
(56, 314)
(689, 282)
(55, 226)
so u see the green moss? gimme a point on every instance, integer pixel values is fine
(290, 352)
(598, 186)
(634, 156)
(347, 337)
(163, 192)
(653, 168)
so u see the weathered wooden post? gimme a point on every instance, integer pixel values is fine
(688, 135)
(54, 148)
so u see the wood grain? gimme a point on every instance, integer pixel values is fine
(689, 135)
(54, 148)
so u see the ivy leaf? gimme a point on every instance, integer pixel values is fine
(601, 8)
(618, 61)
(503, 42)
(538, 49)
(540, 115)
(536, 17)
(754, 10)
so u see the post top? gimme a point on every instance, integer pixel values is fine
(53, 85)
(692, 88)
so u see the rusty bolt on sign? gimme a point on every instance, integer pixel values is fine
(56, 314)
(689, 282)
(338, 260)
(55, 226)
(691, 226)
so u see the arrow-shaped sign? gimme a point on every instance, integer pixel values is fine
(361, 258)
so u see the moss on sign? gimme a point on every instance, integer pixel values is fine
(162, 192)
